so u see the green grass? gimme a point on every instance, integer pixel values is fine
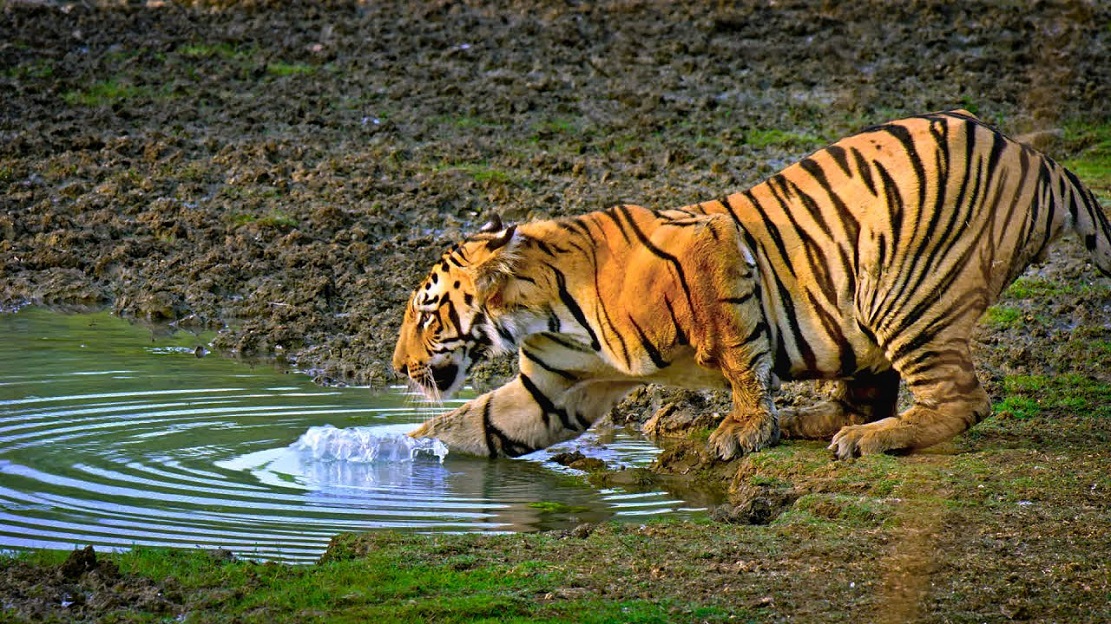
(557, 507)
(1002, 316)
(461, 122)
(398, 578)
(43, 68)
(484, 173)
(290, 69)
(214, 50)
(1092, 163)
(781, 138)
(105, 92)
(1029, 396)
(275, 219)
(1037, 288)
(846, 512)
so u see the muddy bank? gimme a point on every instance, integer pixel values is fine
(285, 173)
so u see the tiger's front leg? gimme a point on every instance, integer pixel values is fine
(752, 424)
(557, 396)
(730, 333)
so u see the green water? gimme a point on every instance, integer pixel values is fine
(114, 434)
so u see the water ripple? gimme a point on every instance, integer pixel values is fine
(106, 439)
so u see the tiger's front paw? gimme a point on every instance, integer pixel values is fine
(733, 438)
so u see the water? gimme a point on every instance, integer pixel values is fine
(116, 435)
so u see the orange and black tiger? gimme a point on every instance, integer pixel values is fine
(868, 262)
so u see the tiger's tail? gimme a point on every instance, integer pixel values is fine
(1090, 222)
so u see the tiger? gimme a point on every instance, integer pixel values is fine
(866, 264)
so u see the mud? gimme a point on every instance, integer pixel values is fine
(82, 588)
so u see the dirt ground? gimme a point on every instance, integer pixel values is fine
(285, 173)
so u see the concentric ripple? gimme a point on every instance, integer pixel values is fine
(115, 436)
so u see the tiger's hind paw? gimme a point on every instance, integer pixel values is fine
(878, 437)
(734, 438)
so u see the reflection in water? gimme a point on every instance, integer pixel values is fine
(113, 436)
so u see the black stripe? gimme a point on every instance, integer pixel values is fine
(786, 208)
(453, 316)
(659, 253)
(542, 401)
(852, 226)
(903, 136)
(649, 348)
(573, 307)
(612, 214)
(605, 315)
(814, 253)
(488, 428)
(808, 202)
(681, 337)
(832, 327)
(738, 300)
(547, 407)
(804, 349)
(504, 332)
(864, 169)
(841, 158)
(754, 361)
(761, 328)
(574, 226)
(895, 205)
(548, 367)
(542, 246)
(1016, 211)
(564, 342)
(497, 440)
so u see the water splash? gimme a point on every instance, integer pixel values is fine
(366, 445)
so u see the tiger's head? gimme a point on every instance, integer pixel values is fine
(455, 317)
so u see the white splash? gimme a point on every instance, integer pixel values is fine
(367, 445)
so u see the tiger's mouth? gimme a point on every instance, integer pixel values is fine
(444, 377)
(437, 382)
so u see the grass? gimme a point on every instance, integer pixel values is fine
(274, 219)
(485, 173)
(38, 69)
(1029, 396)
(290, 69)
(220, 50)
(761, 139)
(104, 93)
(1092, 162)
(462, 122)
(1043, 289)
(1000, 316)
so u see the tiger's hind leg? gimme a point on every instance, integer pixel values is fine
(865, 398)
(948, 400)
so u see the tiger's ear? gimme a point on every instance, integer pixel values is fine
(493, 224)
(493, 275)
